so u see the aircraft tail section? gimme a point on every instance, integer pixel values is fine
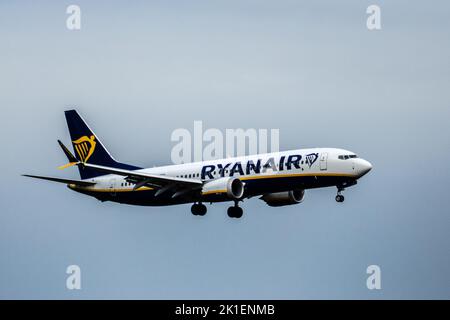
(88, 148)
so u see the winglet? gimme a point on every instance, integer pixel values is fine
(72, 160)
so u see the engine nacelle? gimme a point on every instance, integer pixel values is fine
(285, 198)
(232, 186)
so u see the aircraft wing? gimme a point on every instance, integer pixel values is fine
(66, 181)
(142, 178)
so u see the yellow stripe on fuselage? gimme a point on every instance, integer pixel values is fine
(244, 178)
(214, 192)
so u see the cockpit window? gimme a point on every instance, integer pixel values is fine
(347, 156)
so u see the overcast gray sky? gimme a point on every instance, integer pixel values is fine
(137, 71)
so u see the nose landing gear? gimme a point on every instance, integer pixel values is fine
(341, 187)
(339, 196)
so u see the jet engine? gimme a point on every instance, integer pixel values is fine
(233, 187)
(285, 198)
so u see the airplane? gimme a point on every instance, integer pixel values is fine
(278, 178)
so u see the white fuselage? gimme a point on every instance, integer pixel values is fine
(262, 174)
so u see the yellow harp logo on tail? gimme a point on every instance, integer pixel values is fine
(85, 147)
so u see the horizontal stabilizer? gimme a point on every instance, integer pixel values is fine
(72, 160)
(66, 181)
(68, 154)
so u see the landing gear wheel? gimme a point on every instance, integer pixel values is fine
(198, 209)
(235, 212)
(202, 209)
(339, 196)
(239, 212)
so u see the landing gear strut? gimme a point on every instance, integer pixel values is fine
(339, 196)
(235, 211)
(198, 209)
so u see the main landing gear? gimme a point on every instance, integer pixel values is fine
(235, 211)
(339, 196)
(198, 209)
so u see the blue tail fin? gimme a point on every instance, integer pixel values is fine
(88, 148)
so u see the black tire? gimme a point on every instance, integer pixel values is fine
(194, 209)
(339, 198)
(235, 212)
(238, 212)
(201, 210)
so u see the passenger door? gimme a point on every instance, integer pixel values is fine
(112, 186)
(323, 161)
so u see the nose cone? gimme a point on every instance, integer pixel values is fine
(363, 166)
